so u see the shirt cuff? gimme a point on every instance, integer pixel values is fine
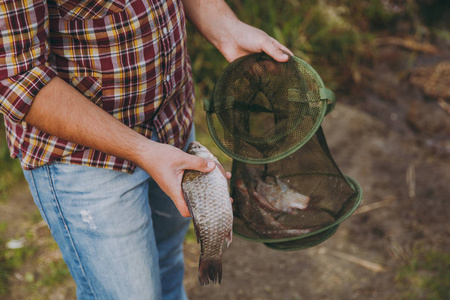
(18, 92)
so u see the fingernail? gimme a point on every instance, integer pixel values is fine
(211, 164)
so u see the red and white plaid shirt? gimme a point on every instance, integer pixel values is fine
(127, 56)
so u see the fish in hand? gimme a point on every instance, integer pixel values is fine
(208, 200)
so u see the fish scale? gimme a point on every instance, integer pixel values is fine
(208, 201)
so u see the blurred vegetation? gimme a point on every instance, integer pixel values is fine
(10, 260)
(34, 260)
(10, 171)
(426, 275)
(337, 37)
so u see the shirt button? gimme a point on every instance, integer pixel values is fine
(165, 30)
(167, 78)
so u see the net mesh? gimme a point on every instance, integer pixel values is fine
(288, 192)
(260, 108)
(285, 202)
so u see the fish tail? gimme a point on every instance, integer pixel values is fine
(209, 268)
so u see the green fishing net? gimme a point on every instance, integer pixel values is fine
(288, 192)
(262, 110)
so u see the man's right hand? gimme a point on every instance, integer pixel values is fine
(166, 165)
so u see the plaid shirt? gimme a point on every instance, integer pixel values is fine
(127, 56)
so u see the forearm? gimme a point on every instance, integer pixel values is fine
(213, 18)
(60, 110)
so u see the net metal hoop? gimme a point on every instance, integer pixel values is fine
(327, 104)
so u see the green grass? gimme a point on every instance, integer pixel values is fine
(52, 274)
(426, 275)
(190, 236)
(36, 263)
(11, 260)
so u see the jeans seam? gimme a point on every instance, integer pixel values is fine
(53, 191)
(41, 208)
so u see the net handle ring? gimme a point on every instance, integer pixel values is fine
(326, 94)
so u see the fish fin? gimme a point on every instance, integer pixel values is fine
(229, 237)
(209, 269)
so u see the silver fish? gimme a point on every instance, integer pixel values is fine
(208, 200)
(264, 218)
(280, 196)
(275, 194)
(271, 207)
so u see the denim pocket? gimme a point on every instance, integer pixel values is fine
(89, 9)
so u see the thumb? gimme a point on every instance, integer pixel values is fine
(200, 164)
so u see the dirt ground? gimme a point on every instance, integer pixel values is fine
(393, 137)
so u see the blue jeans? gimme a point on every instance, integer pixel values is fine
(119, 234)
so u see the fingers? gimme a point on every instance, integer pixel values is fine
(276, 50)
(181, 206)
(248, 39)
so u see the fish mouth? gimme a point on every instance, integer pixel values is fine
(193, 146)
(197, 149)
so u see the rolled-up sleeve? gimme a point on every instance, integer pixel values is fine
(24, 52)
